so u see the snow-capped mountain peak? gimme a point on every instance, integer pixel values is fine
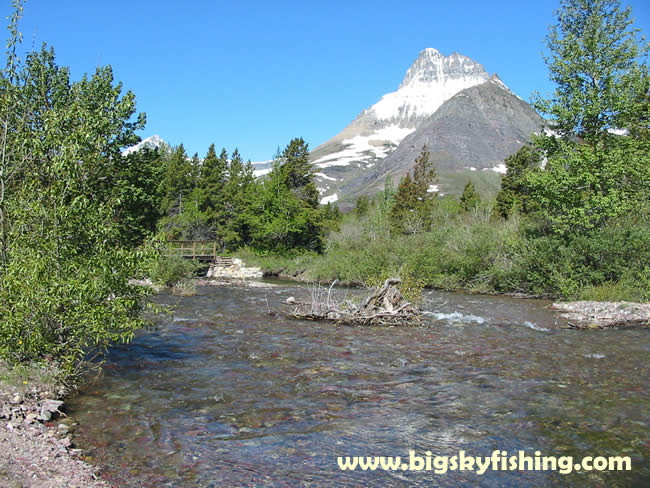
(430, 81)
(152, 142)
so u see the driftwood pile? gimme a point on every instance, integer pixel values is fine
(384, 307)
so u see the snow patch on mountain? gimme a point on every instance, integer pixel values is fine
(330, 199)
(499, 168)
(324, 176)
(365, 148)
(261, 168)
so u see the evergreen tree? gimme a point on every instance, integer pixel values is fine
(233, 223)
(362, 206)
(297, 170)
(137, 189)
(286, 215)
(411, 211)
(213, 172)
(514, 193)
(469, 200)
(178, 182)
(211, 186)
(424, 175)
(195, 169)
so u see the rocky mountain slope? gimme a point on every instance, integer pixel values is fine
(375, 133)
(469, 120)
(469, 135)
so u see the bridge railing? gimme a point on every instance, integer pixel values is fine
(193, 249)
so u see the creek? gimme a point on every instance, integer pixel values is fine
(220, 393)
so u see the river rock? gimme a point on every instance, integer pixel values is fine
(48, 408)
(31, 418)
(236, 271)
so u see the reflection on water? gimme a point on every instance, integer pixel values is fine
(223, 394)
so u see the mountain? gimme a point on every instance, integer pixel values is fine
(474, 131)
(152, 142)
(432, 79)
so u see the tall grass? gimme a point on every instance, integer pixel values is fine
(477, 253)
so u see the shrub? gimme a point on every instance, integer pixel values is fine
(168, 270)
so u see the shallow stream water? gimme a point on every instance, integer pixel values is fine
(222, 394)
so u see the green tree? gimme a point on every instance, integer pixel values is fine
(595, 63)
(582, 187)
(178, 182)
(470, 199)
(601, 85)
(138, 192)
(297, 171)
(362, 206)
(412, 208)
(286, 215)
(65, 266)
(213, 177)
(514, 194)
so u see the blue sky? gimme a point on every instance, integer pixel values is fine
(255, 74)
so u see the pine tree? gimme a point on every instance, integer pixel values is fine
(362, 205)
(514, 194)
(287, 216)
(178, 182)
(411, 211)
(297, 170)
(424, 175)
(211, 185)
(469, 200)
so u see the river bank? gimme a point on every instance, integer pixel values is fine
(38, 451)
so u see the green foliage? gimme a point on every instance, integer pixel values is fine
(362, 205)
(167, 270)
(178, 182)
(469, 200)
(296, 171)
(66, 262)
(591, 176)
(411, 210)
(286, 214)
(594, 61)
(471, 251)
(564, 265)
(514, 195)
(332, 217)
(138, 195)
(584, 186)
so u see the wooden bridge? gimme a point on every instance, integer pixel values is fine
(204, 251)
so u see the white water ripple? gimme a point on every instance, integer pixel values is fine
(456, 317)
(533, 326)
